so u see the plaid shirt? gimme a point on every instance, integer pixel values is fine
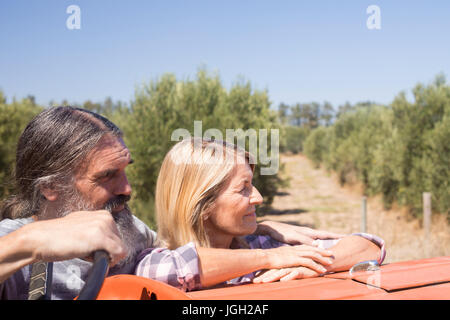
(178, 268)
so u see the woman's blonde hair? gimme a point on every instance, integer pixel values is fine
(191, 178)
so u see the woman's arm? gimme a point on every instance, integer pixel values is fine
(219, 265)
(190, 268)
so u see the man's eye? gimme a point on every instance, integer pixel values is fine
(106, 175)
(102, 178)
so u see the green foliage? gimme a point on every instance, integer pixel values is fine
(435, 164)
(158, 109)
(298, 120)
(167, 104)
(293, 138)
(315, 145)
(13, 119)
(399, 151)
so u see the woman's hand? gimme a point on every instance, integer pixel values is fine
(313, 258)
(285, 274)
(294, 235)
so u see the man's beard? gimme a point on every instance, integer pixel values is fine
(131, 238)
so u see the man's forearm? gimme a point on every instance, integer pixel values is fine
(351, 250)
(16, 251)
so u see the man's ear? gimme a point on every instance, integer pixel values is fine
(49, 193)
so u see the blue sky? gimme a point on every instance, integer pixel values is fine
(300, 51)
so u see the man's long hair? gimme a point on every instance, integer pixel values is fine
(49, 150)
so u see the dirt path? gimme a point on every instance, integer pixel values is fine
(315, 199)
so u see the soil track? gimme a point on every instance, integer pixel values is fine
(315, 199)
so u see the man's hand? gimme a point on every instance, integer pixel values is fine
(76, 235)
(293, 235)
(347, 252)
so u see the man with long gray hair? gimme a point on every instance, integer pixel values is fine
(70, 164)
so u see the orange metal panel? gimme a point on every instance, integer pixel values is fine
(432, 292)
(403, 275)
(305, 289)
(129, 287)
(419, 279)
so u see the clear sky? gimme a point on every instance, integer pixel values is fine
(300, 51)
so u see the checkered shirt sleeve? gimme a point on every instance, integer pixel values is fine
(178, 268)
(325, 244)
(263, 242)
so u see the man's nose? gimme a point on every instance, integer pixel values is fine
(123, 186)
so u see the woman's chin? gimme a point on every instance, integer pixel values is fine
(250, 224)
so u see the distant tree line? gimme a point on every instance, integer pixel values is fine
(299, 119)
(157, 109)
(399, 151)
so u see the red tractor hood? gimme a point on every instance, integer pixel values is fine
(418, 279)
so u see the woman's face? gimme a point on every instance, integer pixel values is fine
(234, 210)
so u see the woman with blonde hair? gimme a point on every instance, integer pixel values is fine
(189, 185)
(205, 196)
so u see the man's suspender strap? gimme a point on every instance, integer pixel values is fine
(40, 281)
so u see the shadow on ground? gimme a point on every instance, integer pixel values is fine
(295, 223)
(282, 194)
(269, 211)
(262, 211)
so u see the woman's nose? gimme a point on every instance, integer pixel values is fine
(255, 197)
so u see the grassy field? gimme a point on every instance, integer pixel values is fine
(315, 199)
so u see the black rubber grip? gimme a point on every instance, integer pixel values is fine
(96, 276)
